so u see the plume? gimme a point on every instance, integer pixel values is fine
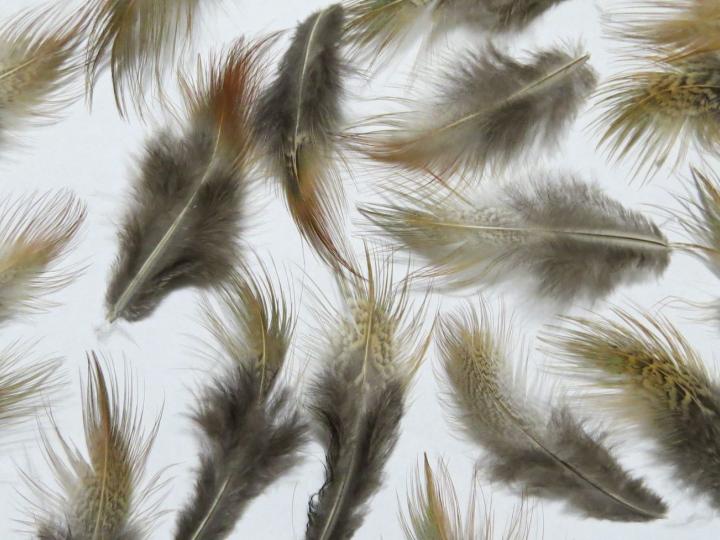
(137, 39)
(39, 62)
(36, 233)
(662, 110)
(702, 219)
(433, 512)
(250, 428)
(374, 26)
(182, 227)
(488, 109)
(554, 457)
(570, 239)
(370, 354)
(651, 378)
(298, 121)
(100, 495)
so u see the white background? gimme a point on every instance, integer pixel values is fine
(94, 154)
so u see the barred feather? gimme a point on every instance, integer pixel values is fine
(36, 234)
(101, 495)
(554, 457)
(187, 213)
(247, 418)
(650, 377)
(299, 119)
(488, 110)
(371, 352)
(568, 238)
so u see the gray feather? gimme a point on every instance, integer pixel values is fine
(571, 239)
(494, 15)
(557, 458)
(487, 110)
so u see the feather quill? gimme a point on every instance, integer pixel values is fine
(36, 234)
(488, 109)
(188, 202)
(662, 111)
(433, 512)
(374, 26)
(138, 39)
(40, 59)
(247, 420)
(100, 495)
(570, 239)
(556, 458)
(371, 352)
(299, 118)
(649, 376)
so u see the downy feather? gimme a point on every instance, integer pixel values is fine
(40, 60)
(299, 119)
(100, 495)
(370, 352)
(646, 373)
(568, 238)
(36, 234)
(374, 26)
(553, 456)
(247, 419)
(656, 114)
(488, 110)
(138, 40)
(433, 512)
(182, 227)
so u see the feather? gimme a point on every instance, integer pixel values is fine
(137, 39)
(681, 26)
(662, 111)
(100, 495)
(370, 354)
(433, 512)
(556, 458)
(651, 378)
(36, 234)
(188, 209)
(488, 109)
(376, 25)
(39, 62)
(247, 420)
(569, 238)
(298, 120)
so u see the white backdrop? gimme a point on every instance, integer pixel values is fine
(94, 154)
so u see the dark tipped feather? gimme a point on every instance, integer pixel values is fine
(100, 495)
(569, 238)
(299, 118)
(556, 458)
(247, 419)
(371, 353)
(650, 377)
(187, 212)
(488, 110)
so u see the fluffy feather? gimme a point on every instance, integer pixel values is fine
(250, 428)
(661, 111)
(370, 354)
(39, 62)
(569, 238)
(487, 110)
(376, 25)
(36, 234)
(299, 119)
(100, 495)
(433, 512)
(138, 39)
(649, 376)
(702, 220)
(555, 457)
(182, 227)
